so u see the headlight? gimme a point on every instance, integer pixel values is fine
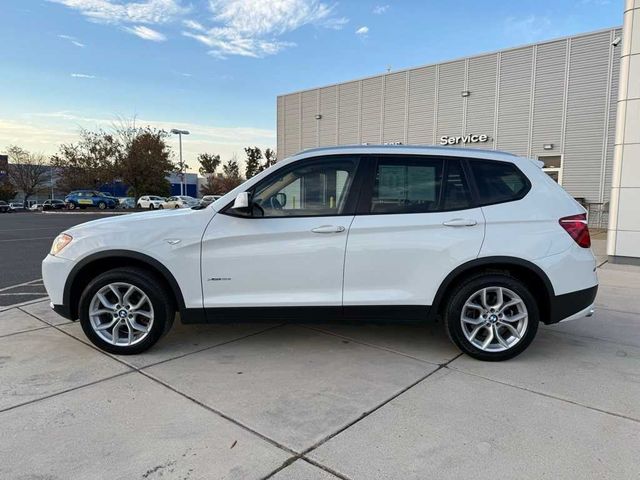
(60, 242)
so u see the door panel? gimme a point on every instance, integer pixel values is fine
(273, 261)
(401, 259)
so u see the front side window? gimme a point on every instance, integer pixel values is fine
(498, 182)
(310, 189)
(407, 186)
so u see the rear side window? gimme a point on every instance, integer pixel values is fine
(456, 190)
(498, 182)
(406, 186)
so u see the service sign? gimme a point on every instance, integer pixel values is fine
(469, 138)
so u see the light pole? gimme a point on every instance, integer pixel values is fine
(175, 131)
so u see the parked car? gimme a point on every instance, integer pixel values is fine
(209, 199)
(181, 201)
(54, 204)
(16, 206)
(4, 207)
(89, 198)
(484, 240)
(151, 202)
(128, 202)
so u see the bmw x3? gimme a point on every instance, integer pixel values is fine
(483, 241)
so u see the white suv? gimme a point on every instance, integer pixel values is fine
(151, 202)
(483, 240)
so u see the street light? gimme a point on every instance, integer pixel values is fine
(175, 131)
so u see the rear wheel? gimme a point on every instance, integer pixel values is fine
(71, 206)
(125, 311)
(102, 205)
(177, 206)
(492, 317)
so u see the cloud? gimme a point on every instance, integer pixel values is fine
(73, 40)
(116, 12)
(146, 33)
(362, 31)
(380, 9)
(252, 28)
(193, 25)
(82, 75)
(529, 28)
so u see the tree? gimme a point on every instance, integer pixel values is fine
(7, 192)
(145, 161)
(27, 171)
(231, 169)
(89, 163)
(269, 158)
(209, 163)
(254, 155)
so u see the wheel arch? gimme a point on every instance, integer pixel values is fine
(99, 262)
(529, 273)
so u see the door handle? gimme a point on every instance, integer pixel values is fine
(460, 222)
(328, 229)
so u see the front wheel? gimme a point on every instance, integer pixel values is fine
(161, 207)
(125, 311)
(102, 205)
(177, 206)
(492, 317)
(151, 207)
(71, 206)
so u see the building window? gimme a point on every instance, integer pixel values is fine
(552, 166)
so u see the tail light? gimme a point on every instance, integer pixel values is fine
(576, 226)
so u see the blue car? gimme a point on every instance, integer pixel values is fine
(89, 198)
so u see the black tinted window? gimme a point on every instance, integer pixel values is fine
(407, 185)
(498, 182)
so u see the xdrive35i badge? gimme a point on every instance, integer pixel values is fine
(218, 279)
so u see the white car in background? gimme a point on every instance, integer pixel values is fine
(181, 201)
(483, 240)
(151, 202)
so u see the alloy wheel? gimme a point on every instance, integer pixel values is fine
(494, 319)
(121, 314)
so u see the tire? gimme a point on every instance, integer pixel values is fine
(177, 206)
(161, 207)
(102, 205)
(521, 314)
(151, 207)
(130, 327)
(139, 206)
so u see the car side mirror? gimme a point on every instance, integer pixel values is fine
(242, 201)
(282, 199)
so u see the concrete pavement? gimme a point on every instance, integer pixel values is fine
(323, 402)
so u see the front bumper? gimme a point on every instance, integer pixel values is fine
(573, 305)
(55, 271)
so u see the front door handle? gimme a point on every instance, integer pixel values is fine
(460, 222)
(328, 229)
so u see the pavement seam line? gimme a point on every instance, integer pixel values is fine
(546, 395)
(4, 308)
(366, 414)
(72, 389)
(575, 335)
(289, 461)
(372, 345)
(25, 331)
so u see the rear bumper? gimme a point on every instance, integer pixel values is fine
(572, 306)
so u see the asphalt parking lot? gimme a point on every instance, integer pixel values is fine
(25, 239)
(296, 402)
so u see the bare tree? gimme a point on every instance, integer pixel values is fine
(27, 171)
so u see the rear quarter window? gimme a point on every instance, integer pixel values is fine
(498, 182)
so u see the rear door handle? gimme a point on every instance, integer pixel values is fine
(328, 229)
(460, 222)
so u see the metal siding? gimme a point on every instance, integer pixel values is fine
(292, 124)
(422, 91)
(280, 128)
(611, 133)
(309, 122)
(395, 95)
(371, 110)
(586, 110)
(349, 107)
(450, 87)
(515, 100)
(329, 116)
(481, 101)
(548, 98)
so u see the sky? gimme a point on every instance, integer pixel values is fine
(215, 67)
